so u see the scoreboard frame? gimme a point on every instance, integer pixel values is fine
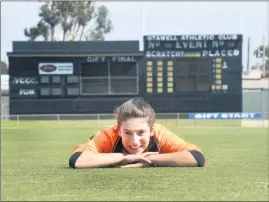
(157, 68)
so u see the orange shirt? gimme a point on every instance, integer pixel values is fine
(109, 141)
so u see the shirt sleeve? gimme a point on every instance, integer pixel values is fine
(100, 143)
(170, 142)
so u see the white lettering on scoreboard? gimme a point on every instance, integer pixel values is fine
(26, 80)
(205, 53)
(192, 37)
(225, 115)
(206, 45)
(222, 53)
(96, 59)
(123, 59)
(191, 44)
(112, 59)
(172, 54)
(27, 92)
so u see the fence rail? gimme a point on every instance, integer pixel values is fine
(51, 117)
(77, 117)
(101, 120)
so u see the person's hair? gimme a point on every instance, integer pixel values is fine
(135, 108)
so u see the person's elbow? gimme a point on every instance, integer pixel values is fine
(73, 160)
(199, 159)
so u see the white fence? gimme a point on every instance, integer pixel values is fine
(102, 120)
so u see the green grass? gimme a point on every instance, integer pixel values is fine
(35, 165)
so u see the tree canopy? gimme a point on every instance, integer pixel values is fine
(78, 20)
(261, 51)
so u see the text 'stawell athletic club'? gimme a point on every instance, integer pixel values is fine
(205, 45)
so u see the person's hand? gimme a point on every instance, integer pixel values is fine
(135, 158)
(141, 163)
(137, 165)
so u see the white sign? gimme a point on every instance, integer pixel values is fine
(55, 68)
(27, 92)
(26, 80)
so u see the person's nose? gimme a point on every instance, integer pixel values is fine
(135, 140)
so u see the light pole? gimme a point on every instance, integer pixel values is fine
(267, 36)
(268, 23)
(143, 23)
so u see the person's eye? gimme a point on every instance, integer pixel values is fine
(127, 133)
(141, 132)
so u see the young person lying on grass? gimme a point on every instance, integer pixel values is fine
(136, 141)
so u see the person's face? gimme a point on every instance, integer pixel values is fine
(135, 134)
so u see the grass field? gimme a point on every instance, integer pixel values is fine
(35, 166)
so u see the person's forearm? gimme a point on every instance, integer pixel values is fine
(98, 160)
(177, 159)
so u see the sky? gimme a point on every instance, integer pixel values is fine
(173, 18)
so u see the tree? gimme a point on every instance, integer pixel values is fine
(66, 9)
(41, 29)
(103, 25)
(73, 17)
(51, 15)
(4, 68)
(83, 16)
(32, 33)
(259, 53)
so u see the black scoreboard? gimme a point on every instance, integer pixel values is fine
(186, 73)
(76, 77)
(47, 80)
